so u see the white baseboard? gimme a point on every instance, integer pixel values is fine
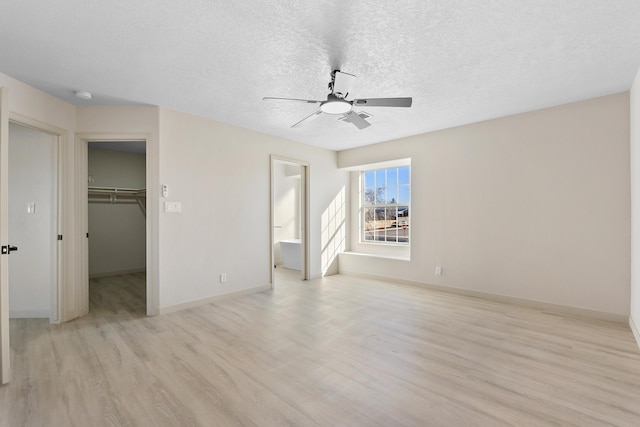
(29, 314)
(543, 306)
(215, 298)
(635, 330)
(117, 273)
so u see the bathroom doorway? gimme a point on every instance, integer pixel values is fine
(289, 221)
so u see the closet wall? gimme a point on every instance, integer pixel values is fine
(117, 234)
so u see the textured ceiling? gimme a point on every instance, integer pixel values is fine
(462, 61)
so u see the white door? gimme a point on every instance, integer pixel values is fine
(33, 223)
(4, 229)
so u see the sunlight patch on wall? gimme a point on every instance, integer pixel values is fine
(333, 231)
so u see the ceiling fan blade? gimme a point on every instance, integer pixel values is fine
(342, 84)
(355, 119)
(307, 119)
(384, 102)
(307, 101)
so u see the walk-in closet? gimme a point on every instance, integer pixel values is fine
(117, 223)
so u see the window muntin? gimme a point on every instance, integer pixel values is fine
(385, 205)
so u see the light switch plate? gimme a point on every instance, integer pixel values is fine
(31, 208)
(173, 207)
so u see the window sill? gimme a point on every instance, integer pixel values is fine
(384, 244)
(395, 258)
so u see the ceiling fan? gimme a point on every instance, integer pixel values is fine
(338, 104)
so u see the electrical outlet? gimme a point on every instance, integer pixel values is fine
(223, 278)
(438, 270)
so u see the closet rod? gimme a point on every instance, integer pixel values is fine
(119, 195)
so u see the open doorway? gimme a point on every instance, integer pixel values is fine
(116, 215)
(33, 223)
(289, 222)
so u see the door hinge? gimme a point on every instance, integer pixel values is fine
(87, 235)
(59, 236)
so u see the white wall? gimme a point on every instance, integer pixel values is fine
(32, 181)
(220, 172)
(533, 206)
(117, 242)
(634, 319)
(286, 208)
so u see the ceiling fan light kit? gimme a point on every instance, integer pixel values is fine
(338, 104)
(335, 105)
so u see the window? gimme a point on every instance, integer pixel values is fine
(385, 205)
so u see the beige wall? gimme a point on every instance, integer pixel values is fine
(533, 206)
(634, 318)
(117, 241)
(221, 175)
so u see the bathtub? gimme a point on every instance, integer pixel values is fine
(291, 251)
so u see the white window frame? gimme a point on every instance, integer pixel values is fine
(395, 228)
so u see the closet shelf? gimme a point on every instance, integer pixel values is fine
(119, 195)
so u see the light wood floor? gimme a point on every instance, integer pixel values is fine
(339, 351)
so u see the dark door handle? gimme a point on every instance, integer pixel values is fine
(6, 250)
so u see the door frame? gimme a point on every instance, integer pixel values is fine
(303, 212)
(55, 315)
(5, 348)
(82, 209)
(59, 136)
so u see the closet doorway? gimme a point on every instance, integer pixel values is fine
(116, 215)
(289, 221)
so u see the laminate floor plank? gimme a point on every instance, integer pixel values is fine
(337, 351)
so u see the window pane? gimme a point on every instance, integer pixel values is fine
(403, 175)
(381, 195)
(392, 176)
(368, 179)
(403, 194)
(391, 215)
(392, 195)
(403, 224)
(368, 215)
(369, 196)
(380, 181)
(368, 223)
